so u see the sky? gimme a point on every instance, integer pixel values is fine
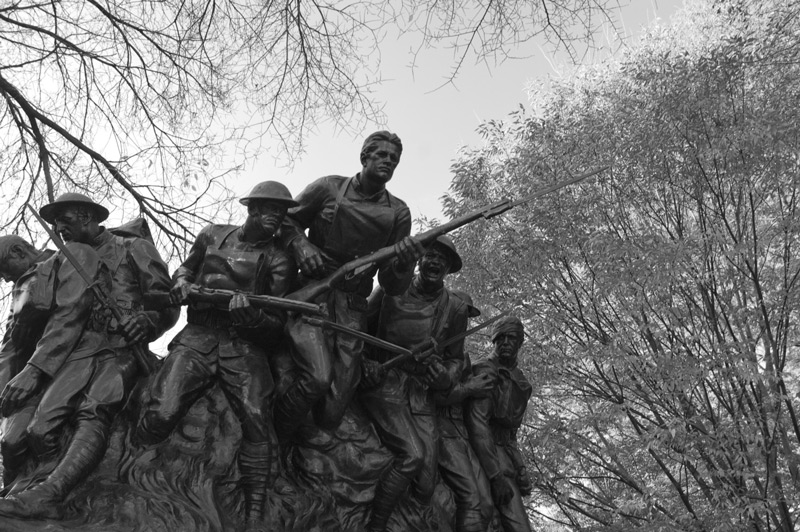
(435, 123)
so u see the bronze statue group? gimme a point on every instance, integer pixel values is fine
(75, 347)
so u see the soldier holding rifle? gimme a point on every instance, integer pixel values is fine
(346, 217)
(92, 389)
(49, 333)
(230, 345)
(400, 402)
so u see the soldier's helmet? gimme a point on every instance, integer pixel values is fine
(455, 259)
(48, 212)
(272, 191)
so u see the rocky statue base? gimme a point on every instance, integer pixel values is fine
(189, 483)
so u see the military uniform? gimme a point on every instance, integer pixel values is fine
(492, 423)
(58, 327)
(211, 349)
(344, 224)
(402, 407)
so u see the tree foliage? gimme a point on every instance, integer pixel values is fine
(661, 296)
(155, 100)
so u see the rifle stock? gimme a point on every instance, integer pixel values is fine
(313, 290)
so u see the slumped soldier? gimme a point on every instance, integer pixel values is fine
(346, 217)
(230, 346)
(55, 334)
(493, 421)
(401, 405)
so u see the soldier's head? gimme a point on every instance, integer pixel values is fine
(507, 336)
(75, 216)
(380, 155)
(17, 256)
(267, 205)
(439, 259)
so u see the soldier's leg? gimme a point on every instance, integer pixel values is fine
(425, 482)
(101, 398)
(14, 442)
(246, 380)
(349, 311)
(394, 423)
(314, 370)
(181, 380)
(470, 487)
(513, 516)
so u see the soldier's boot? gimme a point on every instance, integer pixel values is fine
(388, 492)
(256, 478)
(43, 501)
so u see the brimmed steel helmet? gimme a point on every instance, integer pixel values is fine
(455, 259)
(48, 212)
(272, 191)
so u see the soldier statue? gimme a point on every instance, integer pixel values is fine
(492, 423)
(459, 467)
(55, 334)
(346, 217)
(400, 403)
(230, 346)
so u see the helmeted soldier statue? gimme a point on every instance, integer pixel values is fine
(459, 467)
(346, 217)
(55, 339)
(492, 423)
(230, 346)
(401, 404)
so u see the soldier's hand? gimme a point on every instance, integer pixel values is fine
(372, 373)
(479, 385)
(20, 389)
(502, 491)
(242, 312)
(308, 257)
(179, 292)
(409, 250)
(136, 328)
(436, 375)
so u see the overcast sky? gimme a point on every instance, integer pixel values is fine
(435, 124)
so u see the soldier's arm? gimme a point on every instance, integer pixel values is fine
(453, 361)
(392, 276)
(477, 415)
(153, 276)
(190, 267)
(311, 201)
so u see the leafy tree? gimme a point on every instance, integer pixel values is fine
(152, 101)
(661, 296)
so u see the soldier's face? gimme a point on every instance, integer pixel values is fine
(434, 265)
(13, 265)
(506, 345)
(378, 166)
(72, 225)
(267, 215)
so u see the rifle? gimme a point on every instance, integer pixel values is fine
(361, 264)
(221, 298)
(143, 359)
(436, 348)
(367, 338)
